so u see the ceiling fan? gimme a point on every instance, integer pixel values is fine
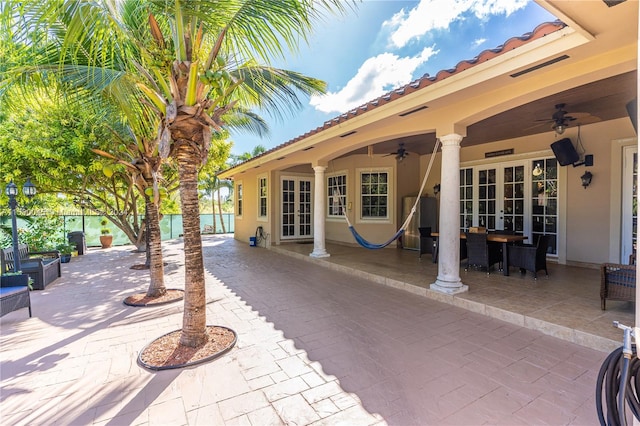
(400, 153)
(560, 119)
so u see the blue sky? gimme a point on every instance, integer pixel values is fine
(384, 44)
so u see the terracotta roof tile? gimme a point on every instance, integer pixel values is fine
(426, 80)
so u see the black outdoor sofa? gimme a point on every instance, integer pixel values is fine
(43, 267)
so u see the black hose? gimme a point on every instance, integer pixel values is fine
(618, 374)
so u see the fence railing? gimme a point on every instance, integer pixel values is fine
(170, 226)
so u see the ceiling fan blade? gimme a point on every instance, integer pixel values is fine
(576, 115)
(588, 120)
(535, 126)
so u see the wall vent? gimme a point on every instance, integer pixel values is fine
(542, 65)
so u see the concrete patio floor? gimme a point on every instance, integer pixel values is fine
(316, 346)
(565, 304)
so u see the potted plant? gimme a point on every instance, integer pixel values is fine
(105, 238)
(65, 250)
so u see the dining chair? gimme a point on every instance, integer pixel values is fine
(481, 253)
(530, 257)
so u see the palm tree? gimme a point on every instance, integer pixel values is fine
(100, 78)
(200, 75)
(246, 156)
(209, 73)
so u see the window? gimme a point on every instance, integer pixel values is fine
(466, 199)
(487, 197)
(337, 195)
(262, 197)
(374, 195)
(544, 201)
(239, 196)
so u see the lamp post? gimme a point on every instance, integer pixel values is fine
(29, 189)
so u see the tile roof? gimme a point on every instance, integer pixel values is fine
(425, 81)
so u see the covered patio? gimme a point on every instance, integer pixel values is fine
(566, 304)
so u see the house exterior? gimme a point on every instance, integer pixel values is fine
(492, 118)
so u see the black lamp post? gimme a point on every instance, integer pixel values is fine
(29, 189)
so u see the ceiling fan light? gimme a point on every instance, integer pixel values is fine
(560, 128)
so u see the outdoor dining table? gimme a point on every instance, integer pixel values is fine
(504, 239)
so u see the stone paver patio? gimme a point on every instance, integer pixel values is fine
(315, 346)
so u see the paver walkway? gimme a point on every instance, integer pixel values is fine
(315, 347)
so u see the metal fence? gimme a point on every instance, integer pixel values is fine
(170, 226)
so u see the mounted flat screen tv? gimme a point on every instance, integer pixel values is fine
(565, 152)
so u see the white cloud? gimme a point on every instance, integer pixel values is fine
(376, 76)
(477, 42)
(439, 14)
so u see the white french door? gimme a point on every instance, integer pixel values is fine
(519, 196)
(297, 207)
(501, 200)
(629, 202)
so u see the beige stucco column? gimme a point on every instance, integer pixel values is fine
(318, 214)
(448, 280)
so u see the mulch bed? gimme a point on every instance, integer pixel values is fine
(166, 352)
(141, 299)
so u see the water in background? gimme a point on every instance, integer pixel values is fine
(170, 227)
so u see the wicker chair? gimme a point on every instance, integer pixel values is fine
(14, 294)
(480, 252)
(529, 257)
(617, 282)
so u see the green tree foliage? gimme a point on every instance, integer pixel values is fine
(202, 65)
(51, 142)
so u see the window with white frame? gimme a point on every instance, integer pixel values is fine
(239, 199)
(262, 197)
(337, 195)
(374, 194)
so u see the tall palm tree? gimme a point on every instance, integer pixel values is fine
(67, 63)
(201, 67)
(246, 156)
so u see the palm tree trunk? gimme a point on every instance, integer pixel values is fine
(224, 229)
(156, 267)
(194, 316)
(213, 213)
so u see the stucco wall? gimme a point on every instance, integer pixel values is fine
(586, 231)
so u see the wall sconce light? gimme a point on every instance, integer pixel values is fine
(436, 189)
(586, 179)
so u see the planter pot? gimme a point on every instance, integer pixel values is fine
(65, 258)
(14, 280)
(106, 240)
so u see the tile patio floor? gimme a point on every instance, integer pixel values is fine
(316, 346)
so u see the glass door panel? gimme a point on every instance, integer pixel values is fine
(513, 198)
(544, 201)
(297, 208)
(487, 199)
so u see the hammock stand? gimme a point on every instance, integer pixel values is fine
(372, 246)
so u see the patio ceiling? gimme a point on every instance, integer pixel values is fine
(602, 100)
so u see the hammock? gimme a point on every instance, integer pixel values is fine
(372, 246)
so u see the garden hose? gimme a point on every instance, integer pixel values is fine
(619, 380)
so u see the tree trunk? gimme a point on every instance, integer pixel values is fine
(156, 267)
(213, 213)
(224, 229)
(194, 316)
